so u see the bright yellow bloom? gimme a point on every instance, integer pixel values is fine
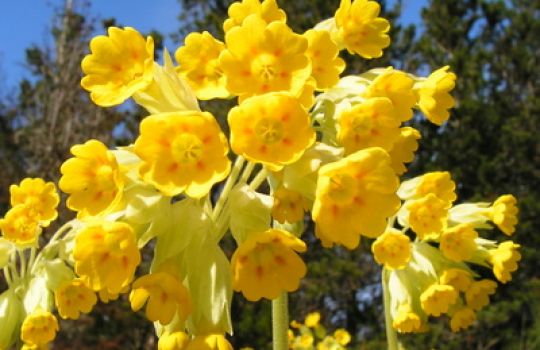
(273, 129)
(477, 296)
(164, 295)
(462, 319)
(105, 296)
(439, 183)
(427, 216)
(266, 265)
(437, 298)
(295, 324)
(457, 278)
(355, 196)
(312, 319)
(398, 87)
(182, 152)
(323, 53)
(458, 242)
(360, 28)
(434, 97)
(173, 341)
(267, 11)
(209, 342)
(406, 320)
(289, 206)
(504, 214)
(102, 245)
(263, 57)
(368, 124)
(39, 328)
(403, 149)
(20, 226)
(38, 196)
(74, 297)
(504, 260)
(119, 65)
(392, 249)
(199, 65)
(306, 340)
(92, 179)
(342, 336)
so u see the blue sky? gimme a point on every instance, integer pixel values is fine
(26, 22)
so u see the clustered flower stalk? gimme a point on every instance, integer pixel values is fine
(305, 142)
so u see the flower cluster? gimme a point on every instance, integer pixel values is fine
(311, 335)
(302, 142)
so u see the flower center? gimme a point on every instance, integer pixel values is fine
(362, 124)
(187, 148)
(269, 130)
(342, 188)
(264, 67)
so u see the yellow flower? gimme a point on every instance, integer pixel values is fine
(39, 196)
(74, 297)
(398, 87)
(295, 324)
(289, 206)
(323, 53)
(101, 245)
(273, 129)
(477, 296)
(458, 242)
(403, 149)
(342, 336)
(354, 197)
(368, 124)
(173, 341)
(267, 11)
(439, 183)
(209, 342)
(182, 152)
(266, 265)
(119, 65)
(434, 97)
(263, 57)
(504, 260)
(164, 295)
(462, 319)
(392, 249)
(39, 328)
(437, 298)
(105, 296)
(504, 214)
(199, 65)
(312, 319)
(306, 340)
(457, 278)
(406, 320)
(20, 226)
(427, 216)
(360, 28)
(92, 179)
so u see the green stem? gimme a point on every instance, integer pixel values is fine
(247, 172)
(391, 334)
(259, 179)
(280, 322)
(66, 227)
(7, 276)
(233, 176)
(22, 258)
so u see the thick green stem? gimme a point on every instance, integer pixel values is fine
(391, 335)
(280, 322)
(259, 179)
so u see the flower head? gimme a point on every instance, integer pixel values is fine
(403, 149)
(462, 319)
(458, 242)
(504, 214)
(289, 206)
(427, 216)
(437, 298)
(39, 328)
(72, 298)
(439, 183)
(119, 65)
(182, 152)
(406, 320)
(457, 278)
(266, 265)
(392, 249)
(323, 53)
(209, 342)
(342, 336)
(39, 196)
(477, 296)
(92, 179)
(20, 226)
(268, 11)
(434, 97)
(312, 319)
(504, 260)
(173, 341)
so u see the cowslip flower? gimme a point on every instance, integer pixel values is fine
(39, 328)
(164, 295)
(458, 243)
(312, 319)
(38, 196)
(368, 124)
(403, 149)
(273, 129)
(458, 278)
(268, 11)
(439, 183)
(173, 341)
(406, 320)
(392, 249)
(289, 206)
(342, 336)
(354, 197)
(427, 216)
(437, 299)
(209, 342)
(504, 260)
(119, 65)
(477, 295)
(182, 152)
(263, 57)
(100, 245)
(199, 65)
(73, 298)
(325, 63)
(434, 97)
(462, 319)
(266, 264)
(92, 179)
(504, 214)
(20, 226)
(360, 29)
